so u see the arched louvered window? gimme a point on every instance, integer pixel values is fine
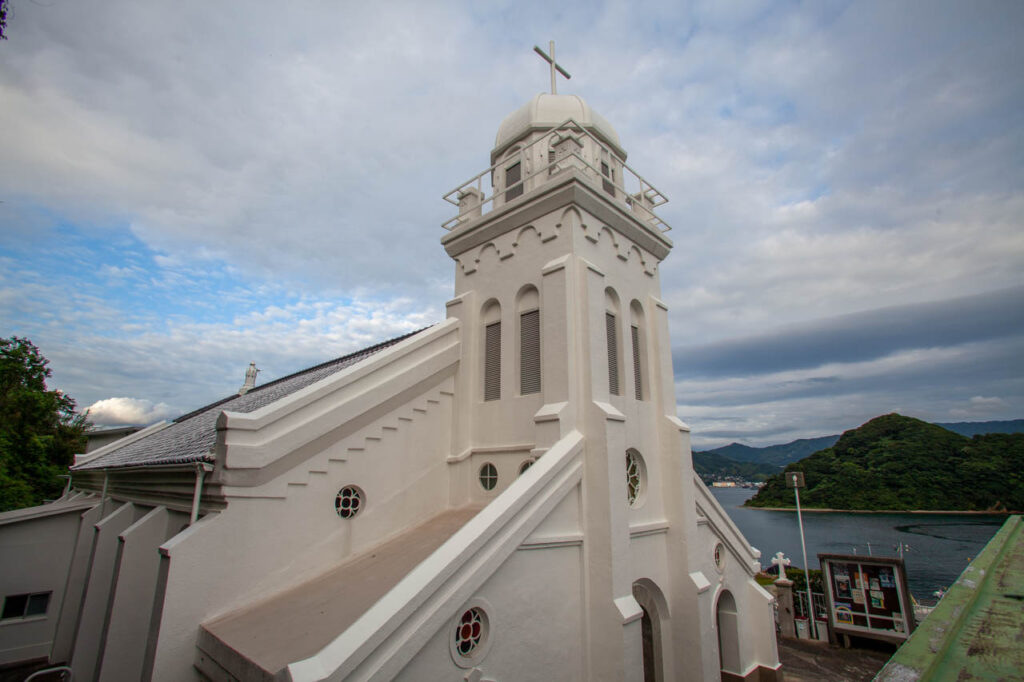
(492, 351)
(611, 327)
(638, 337)
(529, 341)
(638, 385)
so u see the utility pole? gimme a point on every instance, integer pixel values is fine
(796, 479)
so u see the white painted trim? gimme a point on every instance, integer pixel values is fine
(629, 609)
(489, 450)
(385, 359)
(383, 640)
(551, 541)
(702, 583)
(120, 443)
(549, 412)
(650, 528)
(723, 528)
(555, 265)
(252, 441)
(678, 423)
(611, 413)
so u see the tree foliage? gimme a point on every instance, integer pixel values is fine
(40, 432)
(3, 19)
(898, 463)
(710, 466)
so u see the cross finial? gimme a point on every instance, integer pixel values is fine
(550, 59)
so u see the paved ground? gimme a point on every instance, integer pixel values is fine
(808, 661)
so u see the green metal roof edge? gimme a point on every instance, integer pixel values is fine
(925, 654)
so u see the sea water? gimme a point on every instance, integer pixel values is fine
(936, 547)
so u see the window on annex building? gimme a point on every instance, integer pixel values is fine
(25, 605)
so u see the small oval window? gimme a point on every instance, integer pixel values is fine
(488, 476)
(635, 474)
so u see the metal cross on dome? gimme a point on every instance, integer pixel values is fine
(550, 59)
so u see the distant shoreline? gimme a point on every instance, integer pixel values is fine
(884, 511)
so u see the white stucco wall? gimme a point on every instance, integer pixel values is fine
(35, 557)
(283, 532)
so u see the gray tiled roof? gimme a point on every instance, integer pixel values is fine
(191, 437)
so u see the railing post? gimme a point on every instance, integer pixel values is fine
(568, 154)
(784, 596)
(643, 207)
(470, 204)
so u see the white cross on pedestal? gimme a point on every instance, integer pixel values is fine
(554, 65)
(781, 562)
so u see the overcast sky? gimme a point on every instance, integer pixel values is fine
(189, 186)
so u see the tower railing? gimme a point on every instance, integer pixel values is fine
(628, 188)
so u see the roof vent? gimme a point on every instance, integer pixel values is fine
(250, 379)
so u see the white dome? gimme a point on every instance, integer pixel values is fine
(545, 111)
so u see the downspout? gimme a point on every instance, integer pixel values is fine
(67, 485)
(201, 470)
(103, 495)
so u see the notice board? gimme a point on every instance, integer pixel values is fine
(868, 596)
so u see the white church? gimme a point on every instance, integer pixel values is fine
(507, 495)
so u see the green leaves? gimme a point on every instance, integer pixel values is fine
(899, 463)
(40, 432)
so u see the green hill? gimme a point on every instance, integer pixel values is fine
(710, 466)
(779, 455)
(900, 463)
(978, 428)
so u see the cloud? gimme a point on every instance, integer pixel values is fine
(860, 336)
(129, 411)
(187, 188)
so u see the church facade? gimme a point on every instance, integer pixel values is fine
(506, 495)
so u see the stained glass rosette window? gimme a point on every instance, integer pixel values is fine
(348, 502)
(469, 632)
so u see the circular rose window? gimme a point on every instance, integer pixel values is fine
(348, 502)
(469, 642)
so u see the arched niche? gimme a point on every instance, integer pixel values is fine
(727, 624)
(655, 630)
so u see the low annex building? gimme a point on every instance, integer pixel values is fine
(506, 495)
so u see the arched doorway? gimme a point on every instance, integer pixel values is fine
(653, 627)
(727, 623)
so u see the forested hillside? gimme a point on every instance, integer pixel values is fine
(778, 455)
(711, 466)
(900, 463)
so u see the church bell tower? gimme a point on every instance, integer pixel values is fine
(557, 246)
